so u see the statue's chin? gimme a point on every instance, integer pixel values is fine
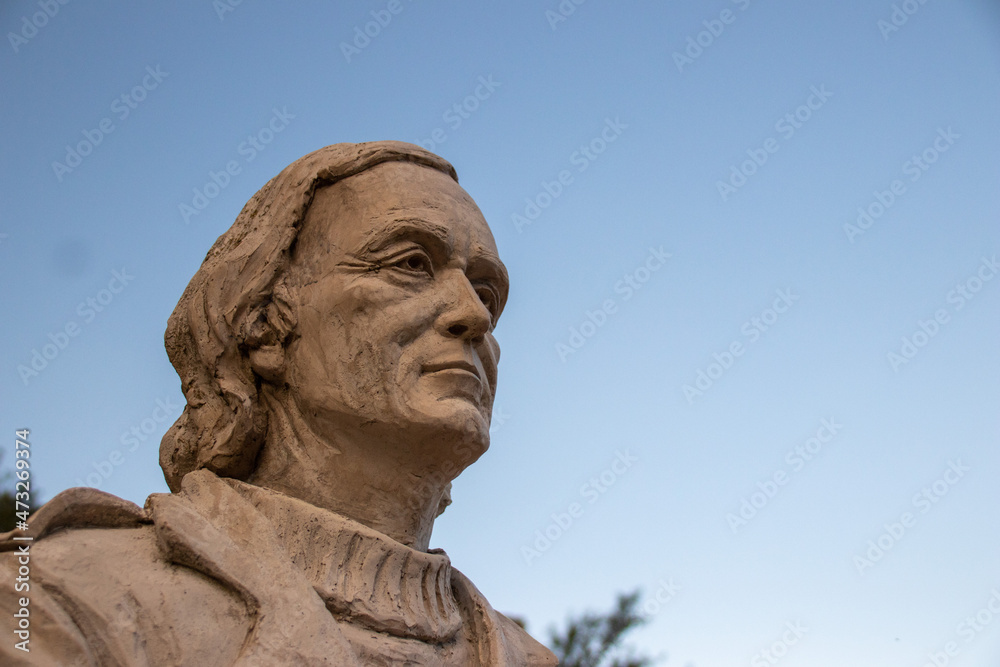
(440, 428)
(456, 426)
(455, 411)
(450, 434)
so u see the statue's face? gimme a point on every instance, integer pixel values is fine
(399, 286)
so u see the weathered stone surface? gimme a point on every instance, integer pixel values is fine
(336, 354)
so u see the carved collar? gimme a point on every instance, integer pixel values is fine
(363, 576)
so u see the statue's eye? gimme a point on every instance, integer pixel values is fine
(415, 262)
(490, 299)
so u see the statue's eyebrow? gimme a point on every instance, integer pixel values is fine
(433, 236)
(487, 264)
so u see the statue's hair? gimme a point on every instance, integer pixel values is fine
(236, 302)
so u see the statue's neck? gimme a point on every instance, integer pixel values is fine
(371, 481)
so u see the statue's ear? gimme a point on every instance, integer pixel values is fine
(266, 331)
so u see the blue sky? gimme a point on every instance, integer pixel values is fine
(676, 191)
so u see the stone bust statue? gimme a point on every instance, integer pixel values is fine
(336, 353)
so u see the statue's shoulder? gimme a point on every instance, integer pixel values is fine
(74, 509)
(102, 590)
(500, 639)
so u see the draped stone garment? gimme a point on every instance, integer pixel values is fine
(227, 573)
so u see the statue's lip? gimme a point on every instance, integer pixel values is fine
(459, 364)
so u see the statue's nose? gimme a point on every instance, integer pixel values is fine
(464, 315)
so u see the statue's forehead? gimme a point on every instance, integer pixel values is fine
(413, 200)
(402, 224)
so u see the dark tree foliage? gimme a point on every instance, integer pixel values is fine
(595, 640)
(6, 511)
(7, 508)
